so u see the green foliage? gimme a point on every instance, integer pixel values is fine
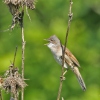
(50, 17)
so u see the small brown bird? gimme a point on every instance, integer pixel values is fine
(70, 61)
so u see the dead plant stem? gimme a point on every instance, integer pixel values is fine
(23, 58)
(63, 50)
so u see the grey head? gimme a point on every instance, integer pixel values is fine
(54, 44)
(53, 40)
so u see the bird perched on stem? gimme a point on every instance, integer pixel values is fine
(69, 59)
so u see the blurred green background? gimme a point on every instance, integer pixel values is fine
(49, 18)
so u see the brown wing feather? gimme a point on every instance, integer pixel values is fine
(72, 57)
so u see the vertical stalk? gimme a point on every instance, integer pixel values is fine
(23, 50)
(23, 58)
(63, 50)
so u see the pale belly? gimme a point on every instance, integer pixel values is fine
(59, 60)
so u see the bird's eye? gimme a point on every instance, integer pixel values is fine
(51, 39)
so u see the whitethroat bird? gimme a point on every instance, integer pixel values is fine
(69, 59)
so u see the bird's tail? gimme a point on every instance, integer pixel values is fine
(79, 77)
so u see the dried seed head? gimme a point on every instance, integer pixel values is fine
(17, 13)
(13, 81)
(14, 2)
(30, 4)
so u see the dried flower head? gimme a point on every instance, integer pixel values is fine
(17, 13)
(13, 81)
(29, 3)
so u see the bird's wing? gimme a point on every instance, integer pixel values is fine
(72, 57)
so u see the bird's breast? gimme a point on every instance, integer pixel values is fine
(59, 61)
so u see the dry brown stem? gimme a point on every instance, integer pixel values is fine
(23, 58)
(63, 51)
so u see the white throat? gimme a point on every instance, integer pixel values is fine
(51, 45)
(56, 50)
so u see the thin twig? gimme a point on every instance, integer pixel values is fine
(28, 14)
(62, 98)
(5, 30)
(14, 56)
(63, 50)
(23, 49)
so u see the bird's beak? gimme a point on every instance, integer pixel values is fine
(46, 44)
(46, 40)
